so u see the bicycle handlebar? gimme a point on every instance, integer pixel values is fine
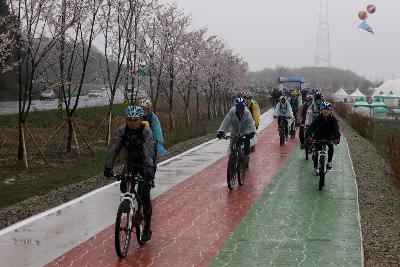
(227, 137)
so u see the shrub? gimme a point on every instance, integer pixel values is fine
(363, 125)
(394, 152)
(342, 109)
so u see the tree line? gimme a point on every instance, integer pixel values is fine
(145, 45)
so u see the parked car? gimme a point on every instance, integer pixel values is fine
(95, 93)
(47, 95)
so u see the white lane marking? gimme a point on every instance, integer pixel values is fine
(74, 201)
(358, 204)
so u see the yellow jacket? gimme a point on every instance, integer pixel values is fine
(255, 111)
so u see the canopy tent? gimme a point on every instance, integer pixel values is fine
(361, 103)
(341, 96)
(389, 92)
(378, 103)
(362, 107)
(356, 95)
(380, 109)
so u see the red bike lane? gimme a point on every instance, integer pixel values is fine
(192, 220)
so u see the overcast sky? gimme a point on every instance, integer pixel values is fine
(268, 33)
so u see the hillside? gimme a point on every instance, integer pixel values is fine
(8, 81)
(316, 77)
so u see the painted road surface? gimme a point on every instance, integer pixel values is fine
(195, 215)
(192, 220)
(294, 224)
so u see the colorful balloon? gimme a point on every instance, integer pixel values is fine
(363, 15)
(371, 8)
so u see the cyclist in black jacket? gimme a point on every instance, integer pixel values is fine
(324, 127)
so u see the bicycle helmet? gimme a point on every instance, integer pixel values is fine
(326, 105)
(318, 95)
(145, 103)
(293, 92)
(133, 112)
(247, 94)
(240, 102)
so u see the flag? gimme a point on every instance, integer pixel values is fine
(364, 25)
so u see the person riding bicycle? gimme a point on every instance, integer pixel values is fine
(324, 127)
(301, 117)
(151, 118)
(294, 102)
(240, 123)
(136, 138)
(276, 94)
(283, 108)
(252, 105)
(314, 109)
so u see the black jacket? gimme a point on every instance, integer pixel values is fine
(322, 128)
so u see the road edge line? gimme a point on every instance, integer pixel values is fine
(33, 218)
(358, 203)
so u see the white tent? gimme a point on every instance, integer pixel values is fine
(362, 107)
(341, 96)
(389, 92)
(357, 95)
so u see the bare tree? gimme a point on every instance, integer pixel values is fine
(74, 52)
(174, 25)
(33, 19)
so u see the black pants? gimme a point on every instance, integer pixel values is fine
(301, 134)
(247, 146)
(318, 147)
(286, 125)
(144, 193)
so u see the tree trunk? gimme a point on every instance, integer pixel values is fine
(187, 116)
(20, 141)
(109, 121)
(70, 132)
(197, 107)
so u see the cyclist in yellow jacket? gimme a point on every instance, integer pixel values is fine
(252, 105)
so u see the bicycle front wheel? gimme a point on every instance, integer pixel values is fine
(282, 136)
(321, 172)
(241, 171)
(123, 229)
(231, 172)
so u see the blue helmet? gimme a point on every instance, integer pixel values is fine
(326, 105)
(133, 112)
(240, 102)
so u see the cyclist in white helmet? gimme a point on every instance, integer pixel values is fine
(283, 109)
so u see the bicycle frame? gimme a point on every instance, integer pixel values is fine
(322, 153)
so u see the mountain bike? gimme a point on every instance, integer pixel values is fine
(238, 163)
(322, 157)
(282, 129)
(130, 214)
(308, 147)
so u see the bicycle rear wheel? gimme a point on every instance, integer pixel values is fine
(231, 172)
(123, 229)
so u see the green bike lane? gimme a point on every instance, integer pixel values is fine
(294, 224)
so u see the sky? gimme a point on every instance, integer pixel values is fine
(268, 33)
